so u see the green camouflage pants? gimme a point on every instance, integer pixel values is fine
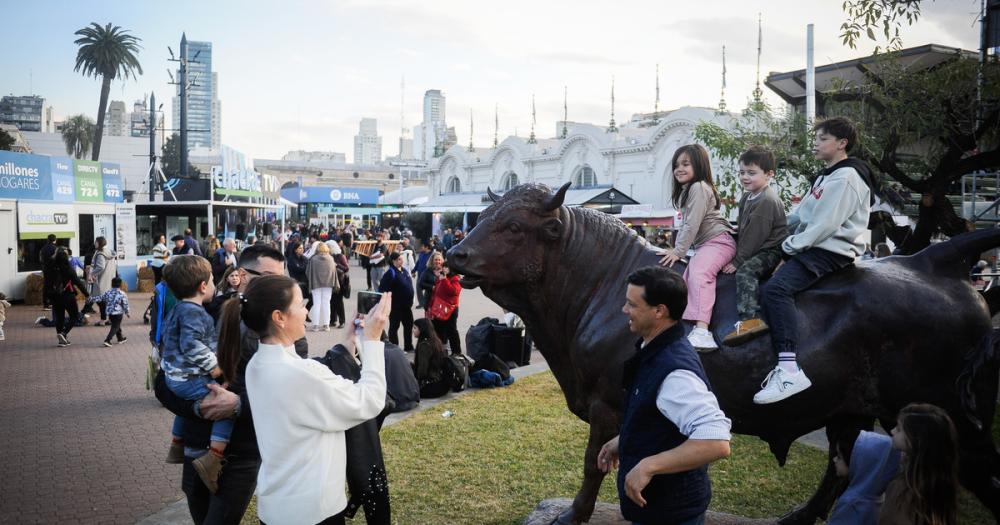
(748, 278)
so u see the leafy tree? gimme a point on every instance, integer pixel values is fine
(78, 135)
(452, 219)
(785, 135)
(171, 160)
(872, 17)
(6, 141)
(420, 224)
(107, 52)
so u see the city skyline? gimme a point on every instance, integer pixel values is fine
(324, 66)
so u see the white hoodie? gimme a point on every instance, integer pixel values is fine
(832, 216)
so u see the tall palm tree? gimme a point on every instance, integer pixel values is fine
(78, 135)
(108, 52)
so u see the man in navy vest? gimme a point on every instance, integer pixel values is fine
(672, 426)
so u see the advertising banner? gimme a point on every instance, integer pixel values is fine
(38, 220)
(327, 194)
(24, 176)
(111, 177)
(89, 187)
(125, 241)
(63, 184)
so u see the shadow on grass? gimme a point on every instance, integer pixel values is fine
(503, 451)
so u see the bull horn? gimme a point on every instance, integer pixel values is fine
(493, 196)
(556, 200)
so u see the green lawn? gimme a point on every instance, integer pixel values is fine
(502, 451)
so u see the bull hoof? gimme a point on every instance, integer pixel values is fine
(799, 516)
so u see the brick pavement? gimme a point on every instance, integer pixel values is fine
(83, 440)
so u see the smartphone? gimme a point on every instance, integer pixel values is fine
(367, 301)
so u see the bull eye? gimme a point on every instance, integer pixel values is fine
(514, 228)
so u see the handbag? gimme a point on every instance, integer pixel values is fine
(440, 310)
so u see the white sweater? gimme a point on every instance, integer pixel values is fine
(300, 412)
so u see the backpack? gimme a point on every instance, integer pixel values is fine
(161, 304)
(458, 370)
(494, 364)
(478, 338)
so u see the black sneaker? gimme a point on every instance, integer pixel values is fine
(122, 341)
(62, 339)
(107, 343)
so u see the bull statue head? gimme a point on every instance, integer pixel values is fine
(511, 239)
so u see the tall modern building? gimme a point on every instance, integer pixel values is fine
(204, 118)
(25, 112)
(430, 135)
(115, 119)
(367, 143)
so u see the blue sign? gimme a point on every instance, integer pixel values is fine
(63, 185)
(327, 194)
(24, 176)
(111, 178)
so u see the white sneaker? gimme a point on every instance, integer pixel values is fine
(40, 319)
(702, 340)
(779, 385)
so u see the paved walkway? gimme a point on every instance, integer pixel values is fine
(83, 440)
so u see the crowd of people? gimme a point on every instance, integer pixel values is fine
(229, 319)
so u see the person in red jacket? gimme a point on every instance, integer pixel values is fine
(443, 310)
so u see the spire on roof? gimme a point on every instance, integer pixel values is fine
(722, 97)
(565, 131)
(471, 147)
(496, 125)
(656, 103)
(531, 138)
(612, 128)
(758, 93)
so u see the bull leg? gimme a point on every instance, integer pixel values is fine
(603, 427)
(830, 486)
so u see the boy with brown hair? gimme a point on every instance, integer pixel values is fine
(762, 228)
(188, 357)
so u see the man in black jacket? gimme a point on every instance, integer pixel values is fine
(46, 256)
(239, 475)
(397, 280)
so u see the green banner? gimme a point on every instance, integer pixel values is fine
(89, 187)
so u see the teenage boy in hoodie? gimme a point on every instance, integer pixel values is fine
(823, 238)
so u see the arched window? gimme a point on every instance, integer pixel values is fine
(585, 178)
(509, 181)
(453, 186)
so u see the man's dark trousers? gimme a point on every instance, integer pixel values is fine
(402, 316)
(227, 506)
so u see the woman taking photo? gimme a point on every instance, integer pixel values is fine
(444, 307)
(103, 269)
(301, 409)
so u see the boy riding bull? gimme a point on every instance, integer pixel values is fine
(824, 237)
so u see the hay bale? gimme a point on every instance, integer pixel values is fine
(33, 289)
(146, 272)
(146, 286)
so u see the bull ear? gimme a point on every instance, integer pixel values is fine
(551, 229)
(493, 196)
(556, 200)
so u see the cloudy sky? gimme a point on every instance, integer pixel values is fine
(300, 74)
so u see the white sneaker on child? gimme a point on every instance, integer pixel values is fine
(702, 340)
(781, 384)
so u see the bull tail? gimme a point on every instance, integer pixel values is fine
(956, 256)
(966, 380)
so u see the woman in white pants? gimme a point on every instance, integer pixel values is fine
(322, 274)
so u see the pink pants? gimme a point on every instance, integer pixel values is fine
(700, 275)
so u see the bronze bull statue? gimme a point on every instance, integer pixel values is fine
(875, 336)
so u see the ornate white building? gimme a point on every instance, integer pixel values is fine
(634, 159)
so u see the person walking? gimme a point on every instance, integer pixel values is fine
(672, 426)
(321, 271)
(443, 309)
(65, 285)
(337, 314)
(397, 280)
(45, 256)
(102, 271)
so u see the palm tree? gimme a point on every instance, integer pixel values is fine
(78, 134)
(108, 52)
